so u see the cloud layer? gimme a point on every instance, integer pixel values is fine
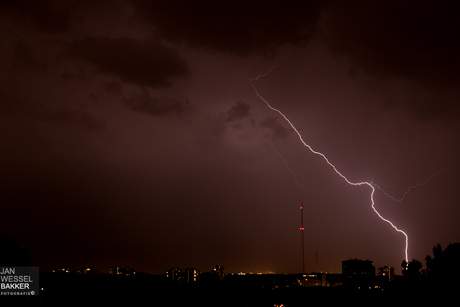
(236, 27)
(146, 63)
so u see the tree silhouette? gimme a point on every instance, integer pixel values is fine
(11, 254)
(411, 269)
(445, 264)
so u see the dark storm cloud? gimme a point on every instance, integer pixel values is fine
(114, 88)
(213, 126)
(278, 130)
(15, 106)
(213, 130)
(417, 40)
(24, 59)
(157, 106)
(68, 76)
(79, 117)
(238, 111)
(236, 27)
(38, 14)
(146, 63)
(431, 104)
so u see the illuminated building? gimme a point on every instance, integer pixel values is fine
(191, 274)
(114, 270)
(88, 271)
(179, 275)
(62, 270)
(122, 271)
(312, 280)
(219, 271)
(387, 272)
(175, 274)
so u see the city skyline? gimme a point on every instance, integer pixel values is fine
(143, 133)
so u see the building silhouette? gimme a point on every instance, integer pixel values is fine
(116, 270)
(191, 274)
(219, 271)
(88, 271)
(174, 274)
(188, 275)
(358, 274)
(388, 273)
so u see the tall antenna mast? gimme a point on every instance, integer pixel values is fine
(302, 239)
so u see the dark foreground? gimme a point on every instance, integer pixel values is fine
(154, 290)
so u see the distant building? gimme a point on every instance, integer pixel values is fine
(175, 274)
(312, 280)
(358, 274)
(219, 271)
(191, 274)
(114, 270)
(320, 279)
(122, 271)
(88, 271)
(388, 273)
(179, 275)
(62, 270)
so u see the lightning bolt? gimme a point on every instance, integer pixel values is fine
(269, 143)
(369, 184)
(408, 189)
(287, 167)
(271, 69)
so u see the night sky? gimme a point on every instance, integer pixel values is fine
(131, 133)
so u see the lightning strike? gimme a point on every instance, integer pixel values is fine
(271, 69)
(408, 189)
(287, 167)
(273, 147)
(369, 184)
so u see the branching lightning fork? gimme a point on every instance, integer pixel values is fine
(369, 184)
(287, 167)
(408, 189)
